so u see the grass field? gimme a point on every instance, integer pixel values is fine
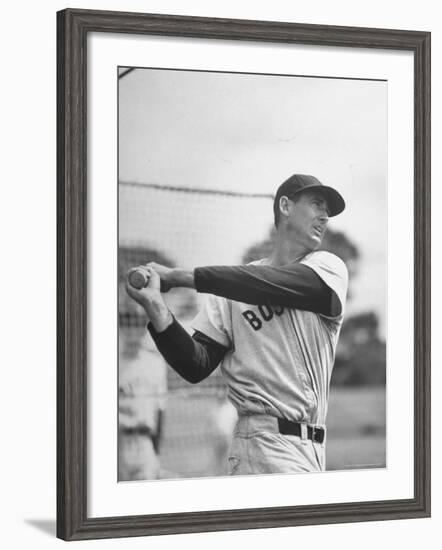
(356, 426)
(196, 439)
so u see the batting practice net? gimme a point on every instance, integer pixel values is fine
(191, 424)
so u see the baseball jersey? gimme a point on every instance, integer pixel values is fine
(280, 359)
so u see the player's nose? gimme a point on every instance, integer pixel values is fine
(323, 216)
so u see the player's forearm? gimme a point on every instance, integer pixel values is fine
(178, 277)
(193, 360)
(158, 313)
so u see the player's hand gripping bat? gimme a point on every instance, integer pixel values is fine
(139, 278)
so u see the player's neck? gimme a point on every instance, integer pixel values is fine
(286, 250)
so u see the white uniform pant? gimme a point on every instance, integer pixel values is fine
(258, 448)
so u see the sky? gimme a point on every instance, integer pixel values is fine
(248, 133)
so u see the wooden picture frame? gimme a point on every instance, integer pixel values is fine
(73, 27)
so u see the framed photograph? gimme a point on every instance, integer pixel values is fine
(243, 274)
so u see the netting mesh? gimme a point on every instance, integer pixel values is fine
(193, 227)
(187, 429)
(187, 228)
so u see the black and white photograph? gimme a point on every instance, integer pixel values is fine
(252, 273)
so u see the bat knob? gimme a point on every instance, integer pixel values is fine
(138, 279)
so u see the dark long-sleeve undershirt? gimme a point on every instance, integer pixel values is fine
(192, 357)
(297, 286)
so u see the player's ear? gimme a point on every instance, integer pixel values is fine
(284, 206)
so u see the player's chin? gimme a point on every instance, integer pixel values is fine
(316, 239)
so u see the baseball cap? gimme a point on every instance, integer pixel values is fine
(300, 182)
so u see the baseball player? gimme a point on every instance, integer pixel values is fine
(273, 325)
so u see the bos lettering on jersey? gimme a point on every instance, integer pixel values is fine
(287, 373)
(265, 313)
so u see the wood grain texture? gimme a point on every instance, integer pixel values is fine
(72, 29)
(422, 272)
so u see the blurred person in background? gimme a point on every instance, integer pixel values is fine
(221, 422)
(273, 326)
(141, 405)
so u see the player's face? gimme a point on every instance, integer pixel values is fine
(308, 219)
